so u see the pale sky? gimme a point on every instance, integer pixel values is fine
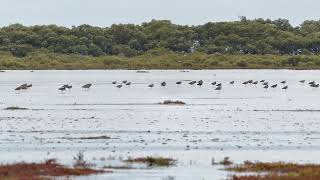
(191, 12)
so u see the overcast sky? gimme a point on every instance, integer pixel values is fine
(192, 12)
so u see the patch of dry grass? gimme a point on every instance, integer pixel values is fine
(41, 171)
(276, 171)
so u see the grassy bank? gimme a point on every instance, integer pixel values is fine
(158, 60)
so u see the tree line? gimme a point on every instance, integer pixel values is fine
(258, 37)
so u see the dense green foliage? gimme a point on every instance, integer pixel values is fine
(257, 36)
(158, 59)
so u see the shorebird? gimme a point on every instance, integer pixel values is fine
(124, 82)
(274, 86)
(218, 88)
(29, 85)
(114, 82)
(151, 86)
(86, 86)
(262, 80)
(245, 83)
(24, 86)
(283, 82)
(62, 89)
(302, 81)
(192, 82)
(163, 84)
(128, 83)
(285, 88)
(255, 83)
(250, 81)
(312, 82)
(200, 83)
(265, 83)
(18, 88)
(119, 86)
(219, 85)
(179, 82)
(214, 83)
(266, 87)
(231, 82)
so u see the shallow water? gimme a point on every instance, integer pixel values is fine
(242, 122)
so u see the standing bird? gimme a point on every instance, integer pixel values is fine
(86, 86)
(302, 81)
(274, 86)
(29, 85)
(163, 84)
(214, 83)
(18, 88)
(119, 86)
(311, 83)
(178, 83)
(285, 88)
(262, 81)
(255, 83)
(283, 82)
(218, 85)
(266, 87)
(200, 83)
(151, 86)
(192, 82)
(114, 82)
(128, 83)
(245, 83)
(265, 83)
(231, 82)
(218, 88)
(124, 82)
(62, 89)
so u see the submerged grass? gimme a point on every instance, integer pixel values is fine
(171, 102)
(15, 108)
(276, 171)
(152, 161)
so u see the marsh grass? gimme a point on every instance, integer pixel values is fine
(41, 171)
(171, 102)
(13, 108)
(276, 171)
(163, 59)
(152, 161)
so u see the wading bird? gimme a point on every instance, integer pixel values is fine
(200, 83)
(192, 82)
(87, 86)
(151, 86)
(218, 88)
(266, 87)
(274, 86)
(179, 82)
(62, 89)
(231, 82)
(128, 83)
(163, 84)
(285, 88)
(283, 82)
(114, 82)
(119, 86)
(214, 83)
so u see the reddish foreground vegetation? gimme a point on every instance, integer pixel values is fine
(41, 171)
(276, 171)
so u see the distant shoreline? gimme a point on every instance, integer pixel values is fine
(159, 60)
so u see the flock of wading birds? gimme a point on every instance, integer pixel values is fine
(217, 85)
